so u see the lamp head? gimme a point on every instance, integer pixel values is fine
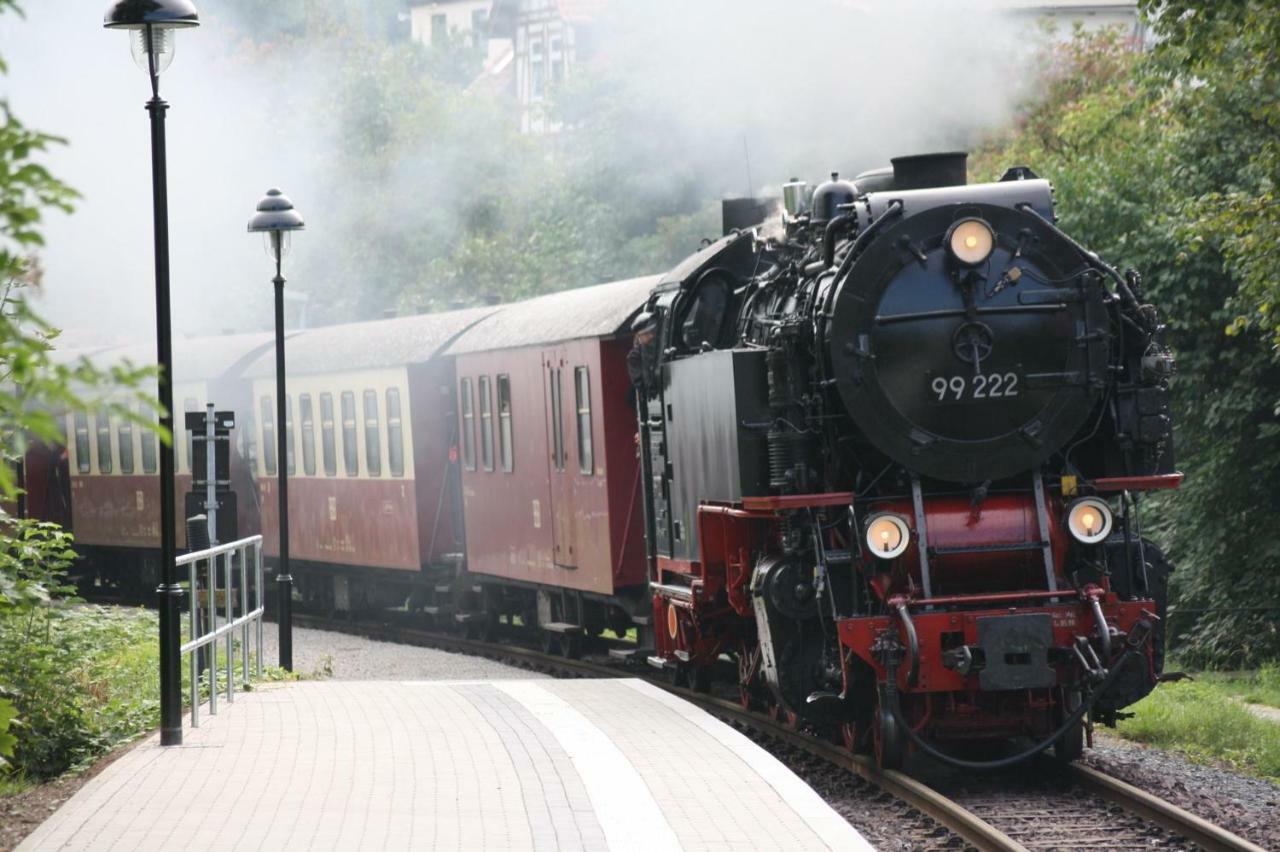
(276, 219)
(152, 25)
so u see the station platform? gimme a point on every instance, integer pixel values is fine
(532, 764)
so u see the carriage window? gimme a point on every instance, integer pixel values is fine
(395, 433)
(249, 435)
(372, 445)
(188, 404)
(288, 433)
(486, 425)
(468, 427)
(103, 425)
(148, 451)
(557, 423)
(582, 393)
(350, 453)
(326, 435)
(505, 449)
(124, 442)
(308, 435)
(82, 442)
(268, 436)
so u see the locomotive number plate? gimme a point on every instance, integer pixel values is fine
(945, 389)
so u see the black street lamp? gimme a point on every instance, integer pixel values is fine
(153, 25)
(276, 220)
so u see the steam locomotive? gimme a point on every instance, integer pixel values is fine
(894, 449)
(892, 443)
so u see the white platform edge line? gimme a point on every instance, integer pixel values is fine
(624, 805)
(831, 828)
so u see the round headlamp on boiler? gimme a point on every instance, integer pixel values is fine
(887, 535)
(1089, 520)
(970, 241)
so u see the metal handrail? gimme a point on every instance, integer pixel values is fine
(226, 555)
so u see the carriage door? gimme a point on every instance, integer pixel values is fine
(557, 376)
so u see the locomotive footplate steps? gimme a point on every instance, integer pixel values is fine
(535, 764)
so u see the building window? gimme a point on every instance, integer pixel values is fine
(506, 451)
(268, 436)
(555, 61)
(582, 394)
(124, 441)
(308, 435)
(439, 30)
(83, 462)
(480, 28)
(468, 427)
(326, 435)
(288, 434)
(372, 444)
(557, 423)
(537, 70)
(486, 425)
(102, 423)
(148, 451)
(350, 452)
(395, 433)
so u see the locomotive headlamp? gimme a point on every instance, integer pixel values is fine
(1089, 520)
(971, 241)
(887, 536)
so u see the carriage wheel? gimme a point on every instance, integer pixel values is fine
(570, 647)
(489, 626)
(550, 643)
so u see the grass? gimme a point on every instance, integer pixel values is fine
(1260, 687)
(1204, 720)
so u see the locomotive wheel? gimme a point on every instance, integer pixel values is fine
(1069, 746)
(890, 743)
(849, 736)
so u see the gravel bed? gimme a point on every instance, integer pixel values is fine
(887, 823)
(1250, 807)
(343, 656)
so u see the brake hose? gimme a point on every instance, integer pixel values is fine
(891, 696)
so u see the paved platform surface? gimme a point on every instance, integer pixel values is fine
(533, 764)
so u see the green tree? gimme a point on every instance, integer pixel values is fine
(1142, 160)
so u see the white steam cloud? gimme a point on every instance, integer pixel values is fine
(798, 88)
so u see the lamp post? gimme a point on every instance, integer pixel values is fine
(153, 25)
(276, 220)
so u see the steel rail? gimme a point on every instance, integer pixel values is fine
(1199, 831)
(947, 813)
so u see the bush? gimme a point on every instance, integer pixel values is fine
(80, 678)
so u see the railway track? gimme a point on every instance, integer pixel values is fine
(1074, 807)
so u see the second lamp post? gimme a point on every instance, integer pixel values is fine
(276, 219)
